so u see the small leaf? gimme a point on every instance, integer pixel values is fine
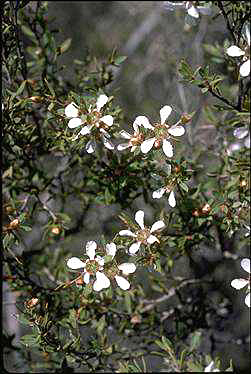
(120, 59)
(65, 46)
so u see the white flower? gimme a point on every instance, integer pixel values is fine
(92, 267)
(137, 138)
(243, 133)
(210, 369)
(144, 235)
(97, 122)
(192, 9)
(126, 268)
(241, 283)
(160, 192)
(162, 133)
(235, 51)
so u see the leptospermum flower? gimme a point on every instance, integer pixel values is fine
(210, 368)
(126, 268)
(243, 133)
(92, 267)
(163, 132)
(192, 8)
(95, 121)
(235, 51)
(137, 138)
(144, 235)
(161, 191)
(241, 283)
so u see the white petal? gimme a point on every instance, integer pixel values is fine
(91, 247)
(176, 130)
(159, 193)
(152, 239)
(107, 143)
(247, 300)
(245, 69)
(127, 268)
(111, 249)
(247, 142)
(134, 247)
(171, 199)
(86, 130)
(90, 146)
(123, 146)
(247, 34)
(101, 101)
(157, 225)
(193, 12)
(239, 283)
(100, 260)
(71, 110)
(147, 145)
(167, 148)
(127, 233)
(75, 263)
(122, 282)
(125, 134)
(142, 121)
(165, 113)
(139, 218)
(101, 281)
(74, 122)
(86, 278)
(209, 367)
(235, 51)
(245, 264)
(108, 120)
(240, 132)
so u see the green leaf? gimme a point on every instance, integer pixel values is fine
(183, 186)
(65, 46)
(50, 87)
(30, 340)
(120, 59)
(27, 31)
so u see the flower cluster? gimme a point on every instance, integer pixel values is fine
(93, 123)
(240, 283)
(94, 267)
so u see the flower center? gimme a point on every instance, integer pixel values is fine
(136, 139)
(92, 267)
(143, 235)
(161, 133)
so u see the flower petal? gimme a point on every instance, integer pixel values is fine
(247, 300)
(152, 239)
(165, 113)
(85, 130)
(147, 145)
(235, 51)
(127, 233)
(90, 146)
(167, 148)
(125, 134)
(107, 143)
(159, 193)
(101, 101)
(245, 264)
(101, 281)
(193, 12)
(247, 34)
(71, 110)
(134, 248)
(245, 69)
(75, 263)
(91, 247)
(240, 132)
(86, 278)
(74, 122)
(247, 141)
(157, 225)
(111, 249)
(239, 283)
(171, 199)
(127, 268)
(139, 218)
(142, 121)
(122, 282)
(176, 130)
(100, 260)
(123, 146)
(108, 120)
